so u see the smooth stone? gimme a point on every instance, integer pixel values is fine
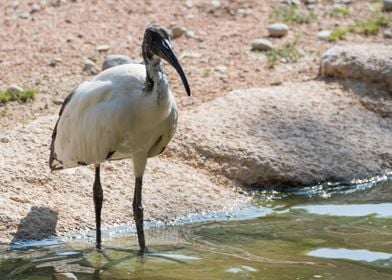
(216, 3)
(190, 34)
(311, 6)
(14, 89)
(277, 29)
(25, 15)
(114, 60)
(388, 33)
(55, 61)
(64, 276)
(324, 34)
(35, 8)
(291, 2)
(189, 4)
(367, 62)
(261, 44)
(4, 140)
(102, 48)
(190, 54)
(387, 5)
(177, 31)
(221, 69)
(58, 101)
(90, 67)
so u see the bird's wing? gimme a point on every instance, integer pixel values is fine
(95, 116)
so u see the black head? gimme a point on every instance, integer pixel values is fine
(157, 42)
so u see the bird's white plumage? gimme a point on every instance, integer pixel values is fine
(113, 114)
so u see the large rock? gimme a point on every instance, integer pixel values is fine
(297, 134)
(371, 63)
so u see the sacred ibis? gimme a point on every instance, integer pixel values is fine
(127, 111)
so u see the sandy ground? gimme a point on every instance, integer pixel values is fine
(70, 31)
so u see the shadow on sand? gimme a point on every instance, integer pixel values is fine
(40, 223)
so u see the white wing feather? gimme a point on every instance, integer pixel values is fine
(101, 109)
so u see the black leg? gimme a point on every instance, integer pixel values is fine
(138, 213)
(98, 198)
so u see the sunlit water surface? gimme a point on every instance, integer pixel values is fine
(330, 231)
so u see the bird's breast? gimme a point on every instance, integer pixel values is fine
(150, 122)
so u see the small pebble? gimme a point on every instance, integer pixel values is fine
(388, 33)
(261, 44)
(244, 11)
(291, 2)
(114, 60)
(102, 48)
(190, 34)
(25, 15)
(324, 34)
(177, 32)
(58, 101)
(90, 67)
(35, 8)
(216, 3)
(55, 61)
(14, 89)
(64, 276)
(189, 4)
(277, 29)
(387, 5)
(4, 140)
(190, 54)
(311, 6)
(221, 69)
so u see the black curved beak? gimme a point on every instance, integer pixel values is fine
(165, 51)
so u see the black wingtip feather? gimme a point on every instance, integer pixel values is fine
(52, 156)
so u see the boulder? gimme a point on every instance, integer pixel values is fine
(291, 135)
(370, 63)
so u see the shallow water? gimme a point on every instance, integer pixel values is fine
(329, 231)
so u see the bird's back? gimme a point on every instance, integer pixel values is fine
(95, 116)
